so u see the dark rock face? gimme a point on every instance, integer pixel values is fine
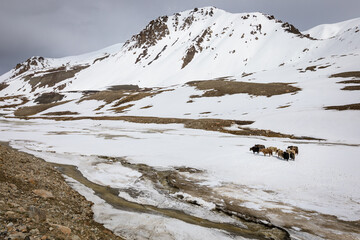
(124, 87)
(49, 98)
(155, 31)
(190, 53)
(3, 86)
(20, 68)
(158, 29)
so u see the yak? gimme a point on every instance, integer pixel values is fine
(256, 148)
(286, 156)
(295, 148)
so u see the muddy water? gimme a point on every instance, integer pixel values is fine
(253, 230)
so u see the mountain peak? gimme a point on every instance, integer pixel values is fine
(201, 43)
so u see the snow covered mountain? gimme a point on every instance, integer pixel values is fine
(204, 43)
(243, 55)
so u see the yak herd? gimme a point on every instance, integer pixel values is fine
(289, 153)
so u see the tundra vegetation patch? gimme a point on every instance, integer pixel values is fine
(350, 81)
(313, 68)
(3, 86)
(221, 87)
(52, 77)
(32, 110)
(61, 113)
(120, 96)
(353, 74)
(355, 106)
(22, 98)
(351, 88)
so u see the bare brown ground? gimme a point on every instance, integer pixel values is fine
(32, 110)
(3, 86)
(353, 81)
(106, 96)
(31, 216)
(61, 113)
(355, 106)
(350, 81)
(221, 87)
(351, 88)
(23, 101)
(353, 74)
(122, 109)
(146, 107)
(52, 77)
(119, 97)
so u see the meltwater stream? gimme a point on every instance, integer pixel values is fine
(110, 196)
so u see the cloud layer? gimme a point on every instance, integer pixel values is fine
(53, 28)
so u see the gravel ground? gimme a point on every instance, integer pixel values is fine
(36, 202)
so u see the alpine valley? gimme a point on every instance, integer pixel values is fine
(156, 131)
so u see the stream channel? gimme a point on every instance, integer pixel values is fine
(252, 230)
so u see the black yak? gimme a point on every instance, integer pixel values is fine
(286, 156)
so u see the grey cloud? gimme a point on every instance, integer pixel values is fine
(53, 28)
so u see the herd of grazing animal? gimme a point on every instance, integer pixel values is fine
(288, 154)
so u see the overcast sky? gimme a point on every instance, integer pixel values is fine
(57, 28)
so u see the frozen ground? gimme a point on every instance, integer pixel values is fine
(324, 178)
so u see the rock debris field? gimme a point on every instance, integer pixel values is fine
(36, 202)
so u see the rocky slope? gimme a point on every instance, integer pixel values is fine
(36, 203)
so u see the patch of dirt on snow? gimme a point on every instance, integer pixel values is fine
(61, 113)
(27, 211)
(353, 74)
(353, 81)
(350, 81)
(51, 77)
(121, 96)
(351, 88)
(22, 98)
(32, 110)
(124, 87)
(221, 87)
(355, 106)
(106, 96)
(3, 86)
(122, 109)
